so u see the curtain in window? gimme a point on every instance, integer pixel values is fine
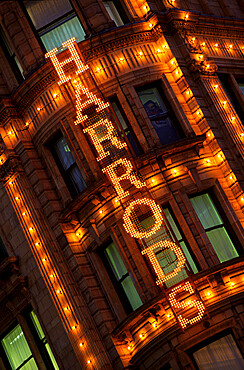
(65, 31)
(213, 225)
(43, 12)
(17, 350)
(222, 354)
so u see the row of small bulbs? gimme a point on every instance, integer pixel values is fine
(50, 273)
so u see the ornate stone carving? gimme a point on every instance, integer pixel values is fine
(205, 67)
(8, 168)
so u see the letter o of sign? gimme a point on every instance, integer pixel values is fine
(157, 216)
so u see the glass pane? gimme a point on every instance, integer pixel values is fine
(52, 358)
(131, 293)
(222, 244)
(30, 365)
(16, 348)
(222, 354)
(159, 116)
(55, 37)
(179, 237)
(115, 261)
(152, 102)
(241, 86)
(64, 154)
(119, 115)
(37, 325)
(188, 257)
(43, 12)
(172, 224)
(113, 13)
(77, 179)
(168, 261)
(206, 211)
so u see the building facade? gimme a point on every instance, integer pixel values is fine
(121, 199)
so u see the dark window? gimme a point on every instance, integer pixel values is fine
(214, 226)
(3, 252)
(120, 278)
(160, 114)
(218, 353)
(67, 166)
(55, 21)
(124, 124)
(240, 82)
(17, 353)
(116, 12)
(10, 55)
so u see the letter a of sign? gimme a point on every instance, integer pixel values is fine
(72, 46)
(92, 99)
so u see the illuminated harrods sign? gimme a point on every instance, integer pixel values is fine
(143, 218)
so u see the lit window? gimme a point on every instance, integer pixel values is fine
(181, 240)
(113, 13)
(214, 227)
(10, 55)
(161, 116)
(67, 166)
(55, 21)
(125, 127)
(121, 279)
(42, 341)
(220, 354)
(17, 352)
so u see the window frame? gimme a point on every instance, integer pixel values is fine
(211, 340)
(120, 10)
(122, 131)
(50, 26)
(10, 58)
(123, 299)
(225, 221)
(183, 238)
(37, 342)
(64, 174)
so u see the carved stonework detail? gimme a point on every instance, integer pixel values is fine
(8, 168)
(204, 67)
(6, 114)
(123, 42)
